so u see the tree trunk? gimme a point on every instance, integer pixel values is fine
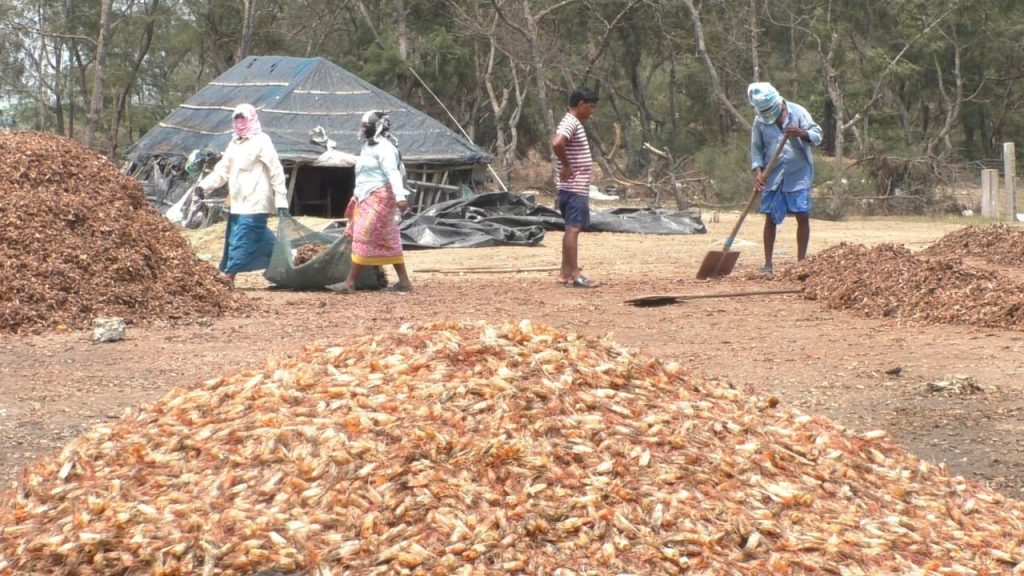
(96, 100)
(754, 61)
(540, 71)
(368, 19)
(506, 135)
(835, 94)
(401, 30)
(58, 90)
(953, 100)
(498, 105)
(248, 29)
(125, 94)
(623, 118)
(532, 36)
(793, 57)
(828, 128)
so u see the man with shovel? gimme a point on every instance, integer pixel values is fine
(786, 189)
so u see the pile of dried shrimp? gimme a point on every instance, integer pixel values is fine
(478, 449)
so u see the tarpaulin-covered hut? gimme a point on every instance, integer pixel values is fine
(312, 109)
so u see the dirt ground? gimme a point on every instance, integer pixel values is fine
(864, 373)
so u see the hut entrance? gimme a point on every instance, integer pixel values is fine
(322, 192)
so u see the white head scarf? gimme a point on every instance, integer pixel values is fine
(766, 100)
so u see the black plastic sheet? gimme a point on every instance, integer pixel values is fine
(504, 218)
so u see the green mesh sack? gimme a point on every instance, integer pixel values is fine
(330, 261)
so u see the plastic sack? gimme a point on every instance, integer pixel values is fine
(196, 211)
(329, 266)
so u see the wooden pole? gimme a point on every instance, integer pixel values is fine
(291, 186)
(1010, 175)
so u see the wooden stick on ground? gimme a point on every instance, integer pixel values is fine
(482, 270)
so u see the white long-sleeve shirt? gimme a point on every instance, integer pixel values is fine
(254, 175)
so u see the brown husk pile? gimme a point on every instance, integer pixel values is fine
(889, 281)
(998, 244)
(78, 239)
(473, 449)
(307, 252)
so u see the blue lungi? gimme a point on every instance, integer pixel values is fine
(777, 203)
(248, 244)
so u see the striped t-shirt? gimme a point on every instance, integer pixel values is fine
(577, 151)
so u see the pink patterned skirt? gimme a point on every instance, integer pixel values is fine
(371, 223)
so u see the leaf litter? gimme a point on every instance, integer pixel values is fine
(936, 286)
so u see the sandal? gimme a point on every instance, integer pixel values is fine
(226, 279)
(582, 282)
(398, 288)
(340, 288)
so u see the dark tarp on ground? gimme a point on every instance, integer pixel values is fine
(502, 218)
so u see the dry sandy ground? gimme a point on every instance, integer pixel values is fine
(52, 387)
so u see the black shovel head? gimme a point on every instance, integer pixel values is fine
(653, 301)
(717, 263)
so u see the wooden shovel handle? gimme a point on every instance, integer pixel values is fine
(673, 298)
(753, 197)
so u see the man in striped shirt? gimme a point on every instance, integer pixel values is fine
(573, 181)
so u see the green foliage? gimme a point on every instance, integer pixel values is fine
(888, 61)
(727, 168)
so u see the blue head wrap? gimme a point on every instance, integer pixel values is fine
(766, 100)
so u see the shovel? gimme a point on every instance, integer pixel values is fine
(720, 262)
(666, 299)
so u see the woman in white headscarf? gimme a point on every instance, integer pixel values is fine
(379, 191)
(256, 186)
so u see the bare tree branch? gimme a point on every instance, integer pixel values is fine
(716, 84)
(606, 39)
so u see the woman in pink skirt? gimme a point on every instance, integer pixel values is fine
(378, 192)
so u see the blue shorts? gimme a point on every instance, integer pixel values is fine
(575, 208)
(778, 203)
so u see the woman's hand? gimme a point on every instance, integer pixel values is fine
(403, 205)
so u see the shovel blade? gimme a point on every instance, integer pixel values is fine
(652, 301)
(717, 263)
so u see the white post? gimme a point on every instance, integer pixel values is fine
(1010, 174)
(990, 193)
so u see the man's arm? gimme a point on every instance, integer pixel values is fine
(558, 143)
(757, 158)
(804, 128)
